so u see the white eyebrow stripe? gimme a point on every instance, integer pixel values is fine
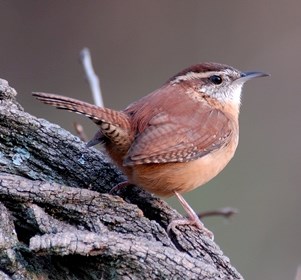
(193, 75)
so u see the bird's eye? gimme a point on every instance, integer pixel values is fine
(215, 79)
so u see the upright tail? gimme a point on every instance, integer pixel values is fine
(113, 124)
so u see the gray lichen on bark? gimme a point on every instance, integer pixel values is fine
(59, 222)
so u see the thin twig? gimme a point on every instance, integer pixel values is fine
(92, 78)
(298, 274)
(80, 131)
(226, 212)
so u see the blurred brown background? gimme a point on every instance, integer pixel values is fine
(138, 45)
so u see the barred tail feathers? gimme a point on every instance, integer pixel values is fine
(97, 114)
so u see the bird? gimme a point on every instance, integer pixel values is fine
(177, 137)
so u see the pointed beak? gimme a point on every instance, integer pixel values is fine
(245, 76)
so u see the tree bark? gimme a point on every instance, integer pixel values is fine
(59, 222)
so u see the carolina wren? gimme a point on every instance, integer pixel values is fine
(176, 138)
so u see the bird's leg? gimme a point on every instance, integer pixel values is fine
(193, 218)
(119, 187)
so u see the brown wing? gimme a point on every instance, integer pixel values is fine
(178, 132)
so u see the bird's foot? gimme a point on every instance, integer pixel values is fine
(173, 224)
(193, 219)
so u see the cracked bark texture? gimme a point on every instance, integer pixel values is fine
(59, 222)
